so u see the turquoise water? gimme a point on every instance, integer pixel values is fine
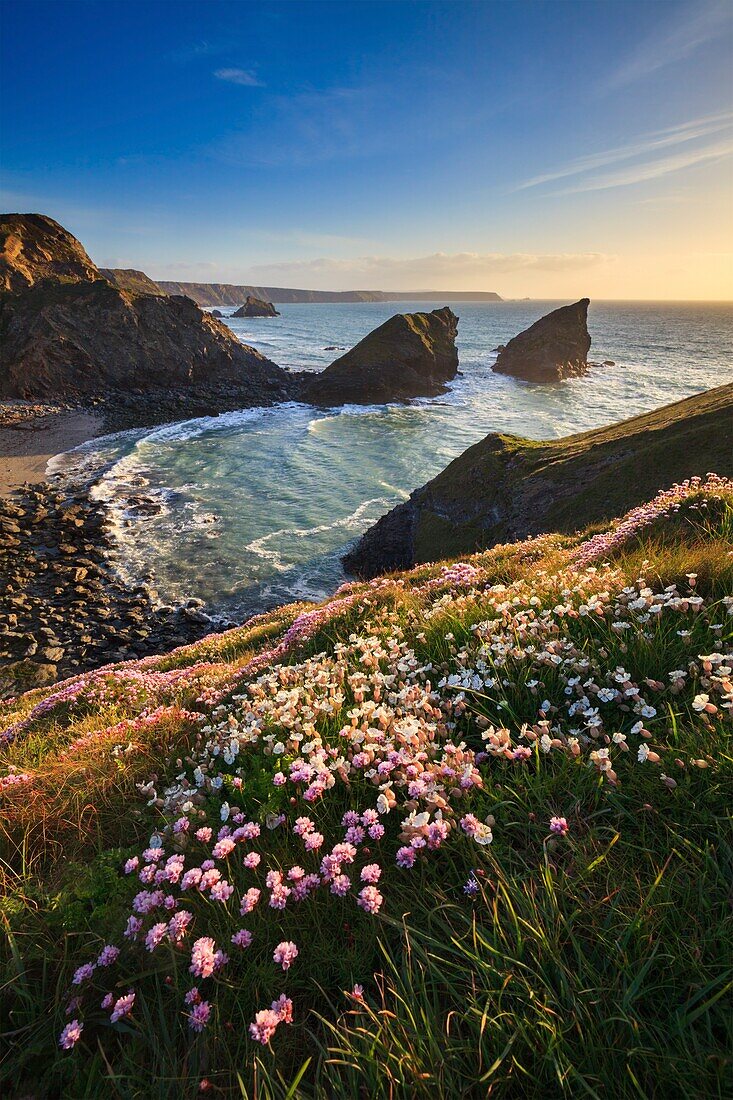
(255, 508)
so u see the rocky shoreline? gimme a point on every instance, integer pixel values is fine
(63, 610)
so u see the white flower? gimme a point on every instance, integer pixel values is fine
(643, 752)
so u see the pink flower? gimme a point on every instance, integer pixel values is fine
(559, 825)
(357, 993)
(405, 857)
(340, 885)
(242, 938)
(371, 873)
(370, 899)
(266, 1021)
(83, 973)
(313, 841)
(203, 957)
(108, 1000)
(132, 865)
(199, 1017)
(108, 955)
(285, 954)
(221, 891)
(252, 860)
(264, 1026)
(134, 924)
(178, 925)
(156, 935)
(223, 848)
(249, 901)
(204, 834)
(70, 1035)
(123, 1007)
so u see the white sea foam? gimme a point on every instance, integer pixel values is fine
(277, 477)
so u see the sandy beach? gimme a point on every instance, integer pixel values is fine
(29, 437)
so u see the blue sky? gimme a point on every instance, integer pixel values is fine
(539, 148)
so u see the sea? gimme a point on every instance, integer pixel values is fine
(252, 509)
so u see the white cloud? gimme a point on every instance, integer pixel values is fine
(420, 271)
(246, 77)
(699, 24)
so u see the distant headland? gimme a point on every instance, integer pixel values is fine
(228, 294)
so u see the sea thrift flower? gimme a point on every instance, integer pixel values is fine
(155, 936)
(71, 1035)
(242, 938)
(285, 954)
(199, 1017)
(123, 1007)
(249, 901)
(371, 873)
(252, 860)
(370, 899)
(108, 955)
(178, 925)
(83, 973)
(559, 826)
(203, 957)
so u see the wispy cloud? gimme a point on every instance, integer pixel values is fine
(646, 145)
(422, 270)
(245, 77)
(696, 25)
(640, 173)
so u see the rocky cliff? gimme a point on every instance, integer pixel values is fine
(256, 307)
(36, 249)
(553, 348)
(410, 355)
(136, 282)
(507, 488)
(66, 331)
(229, 294)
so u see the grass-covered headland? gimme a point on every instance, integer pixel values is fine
(458, 832)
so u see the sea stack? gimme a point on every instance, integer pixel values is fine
(256, 307)
(410, 355)
(553, 348)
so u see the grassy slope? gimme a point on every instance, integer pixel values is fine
(593, 964)
(508, 487)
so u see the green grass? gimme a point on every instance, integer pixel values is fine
(592, 965)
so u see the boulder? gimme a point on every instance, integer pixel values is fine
(256, 307)
(216, 313)
(553, 348)
(410, 355)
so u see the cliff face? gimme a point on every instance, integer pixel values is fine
(135, 282)
(229, 294)
(410, 355)
(553, 348)
(507, 488)
(66, 331)
(34, 249)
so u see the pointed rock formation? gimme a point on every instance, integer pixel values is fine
(66, 331)
(553, 348)
(256, 307)
(411, 355)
